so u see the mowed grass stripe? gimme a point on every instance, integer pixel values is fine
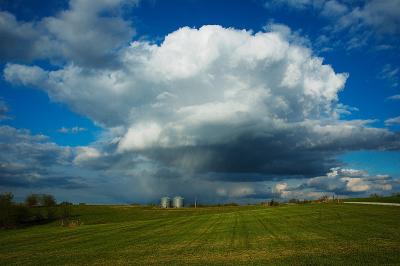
(323, 234)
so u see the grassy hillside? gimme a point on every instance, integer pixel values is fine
(390, 199)
(295, 234)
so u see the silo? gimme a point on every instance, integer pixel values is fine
(177, 202)
(165, 202)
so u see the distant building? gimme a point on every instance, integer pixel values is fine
(165, 202)
(177, 202)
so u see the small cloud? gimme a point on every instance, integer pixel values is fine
(394, 97)
(390, 74)
(392, 121)
(78, 129)
(384, 47)
(333, 9)
(295, 4)
(3, 110)
(281, 187)
(86, 154)
(343, 109)
(63, 130)
(72, 130)
(344, 181)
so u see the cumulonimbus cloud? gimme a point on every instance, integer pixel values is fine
(213, 100)
(216, 92)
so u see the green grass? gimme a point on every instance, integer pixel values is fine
(311, 234)
(389, 199)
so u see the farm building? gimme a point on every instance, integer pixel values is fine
(177, 202)
(165, 202)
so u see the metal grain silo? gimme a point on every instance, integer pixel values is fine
(177, 202)
(165, 202)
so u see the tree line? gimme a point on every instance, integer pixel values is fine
(36, 209)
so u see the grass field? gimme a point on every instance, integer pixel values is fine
(316, 234)
(389, 199)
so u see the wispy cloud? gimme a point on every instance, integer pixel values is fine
(394, 97)
(391, 74)
(72, 130)
(4, 110)
(358, 22)
(393, 121)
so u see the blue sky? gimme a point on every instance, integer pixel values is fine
(118, 96)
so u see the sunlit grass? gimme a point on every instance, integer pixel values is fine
(299, 234)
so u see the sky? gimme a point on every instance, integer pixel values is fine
(126, 101)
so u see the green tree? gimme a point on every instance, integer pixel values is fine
(32, 200)
(6, 210)
(66, 210)
(48, 201)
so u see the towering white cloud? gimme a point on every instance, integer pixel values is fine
(218, 91)
(206, 106)
(197, 78)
